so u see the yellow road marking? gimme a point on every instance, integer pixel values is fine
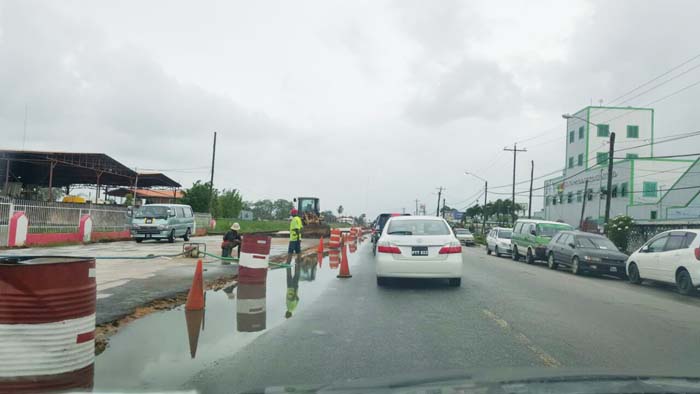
(545, 357)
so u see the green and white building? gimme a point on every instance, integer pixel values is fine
(644, 186)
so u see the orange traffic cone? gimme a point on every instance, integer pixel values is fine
(344, 268)
(195, 298)
(319, 258)
(320, 245)
(194, 320)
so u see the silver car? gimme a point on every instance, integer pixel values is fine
(464, 236)
(498, 241)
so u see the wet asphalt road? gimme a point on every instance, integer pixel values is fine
(506, 314)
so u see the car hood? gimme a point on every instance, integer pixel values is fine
(607, 254)
(512, 380)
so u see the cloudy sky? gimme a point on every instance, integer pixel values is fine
(368, 104)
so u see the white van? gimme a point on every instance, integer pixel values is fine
(162, 221)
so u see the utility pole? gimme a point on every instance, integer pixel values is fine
(416, 207)
(483, 210)
(515, 151)
(437, 211)
(211, 180)
(610, 175)
(443, 208)
(529, 201)
(583, 207)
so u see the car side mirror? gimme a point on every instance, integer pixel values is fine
(572, 245)
(533, 232)
(644, 249)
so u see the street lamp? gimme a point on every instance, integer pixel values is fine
(486, 192)
(610, 166)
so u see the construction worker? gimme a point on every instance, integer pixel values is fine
(232, 239)
(292, 297)
(295, 227)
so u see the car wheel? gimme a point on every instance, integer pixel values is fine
(186, 237)
(381, 281)
(455, 282)
(488, 250)
(684, 283)
(550, 262)
(138, 240)
(575, 266)
(514, 255)
(529, 258)
(633, 274)
(498, 252)
(171, 237)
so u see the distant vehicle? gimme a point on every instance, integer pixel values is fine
(162, 221)
(464, 236)
(498, 241)
(532, 236)
(418, 247)
(310, 212)
(670, 257)
(379, 223)
(585, 252)
(74, 199)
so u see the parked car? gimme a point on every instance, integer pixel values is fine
(670, 257)
(531, 236)
(418, 247)
(498, 241)
(585, 252)
(464, 236)
(162, 221)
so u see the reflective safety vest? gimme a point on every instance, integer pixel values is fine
(293, 225)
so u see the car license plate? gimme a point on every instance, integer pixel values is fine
(613, 269)
(419, 251)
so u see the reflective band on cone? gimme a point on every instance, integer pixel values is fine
(251, 312)
(47, 323)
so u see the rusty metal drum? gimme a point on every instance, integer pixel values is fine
(47, 323)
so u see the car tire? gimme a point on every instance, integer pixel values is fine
(186, 237)
(455, 282)
(381, 281)
(515, 256)
(551, 263)
(488, 250)
(529, 258)
(498, 253)
(171, 237)
(138, 240)
(684, 283)
(575, 266)
(633, 274)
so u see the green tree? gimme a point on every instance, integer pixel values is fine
(229, 204)
(264, 209)
(361, 219)
(328, 216)
(198, 197)
(281, 208)
(340, 210)
(128, 199)
(618, 230)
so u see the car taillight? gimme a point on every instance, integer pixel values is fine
(388, 249)
(697, 253)
(451, 248)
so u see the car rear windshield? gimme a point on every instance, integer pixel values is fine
(548, 230)
(462, 231)
(418, 227)
(151, 212)
(596, 243)
(507, 234)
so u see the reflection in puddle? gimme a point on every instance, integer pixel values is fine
(157, 352)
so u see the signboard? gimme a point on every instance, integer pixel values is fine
(457, 215)
(683, 213)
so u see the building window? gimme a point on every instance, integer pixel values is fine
(601, 157)
(554, 200)
(580, 133)
(632, 131)
(603, 193)
(653, 215)
(603, 130)
(623, 189)
(579, 196)
(570, 198)
(649, 189)
(561, 198)
(571, 137)
(590, 194)
(571, 162)
(614, 191)
(631, 156)
(580, 159)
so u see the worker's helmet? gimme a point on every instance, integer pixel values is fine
(294, 212)
(235, 227)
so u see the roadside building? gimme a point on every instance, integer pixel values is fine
(643, 186)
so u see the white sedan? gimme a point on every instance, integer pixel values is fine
(671, 257)
(418, 247)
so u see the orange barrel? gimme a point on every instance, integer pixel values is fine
(255, 258)
(251, 313)
(334, 258)
(352, 247)
(47, 323)
(334, 241)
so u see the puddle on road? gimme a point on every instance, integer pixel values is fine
(164, 350)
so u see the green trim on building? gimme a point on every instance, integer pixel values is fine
(678, 180)
(588, 131)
